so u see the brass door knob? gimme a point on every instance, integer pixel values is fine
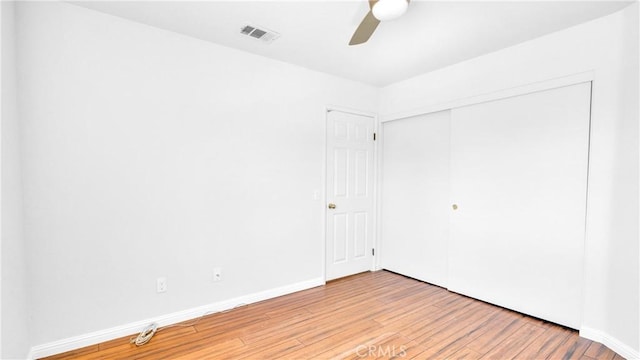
(332, 206)
(454, 206)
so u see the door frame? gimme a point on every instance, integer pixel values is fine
(374, 235)
(500, 94)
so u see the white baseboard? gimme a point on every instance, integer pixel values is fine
(97, 337)
(611, 342)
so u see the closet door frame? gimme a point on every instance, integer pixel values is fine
(574, 79)
(568, 80)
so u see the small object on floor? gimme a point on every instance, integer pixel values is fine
(145, 335)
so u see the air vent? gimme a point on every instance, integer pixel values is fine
(259, 33)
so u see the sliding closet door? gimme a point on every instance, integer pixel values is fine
(519, 176)
(415, 197)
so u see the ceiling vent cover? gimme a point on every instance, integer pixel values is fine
(259, 33)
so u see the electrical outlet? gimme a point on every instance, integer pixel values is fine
(217, 274)
(161, 284)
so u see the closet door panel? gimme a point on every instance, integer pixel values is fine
(415, 197)
(518, 178)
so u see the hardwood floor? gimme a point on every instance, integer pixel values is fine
(370, 315)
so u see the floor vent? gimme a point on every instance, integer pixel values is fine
(259, 33)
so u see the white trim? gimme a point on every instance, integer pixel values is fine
(2, 80)
(96, 337)
(375, 265)
(375, 242)
(496, 95)
(611, 342)
(378, 205)
(348, 111)
(324, 191)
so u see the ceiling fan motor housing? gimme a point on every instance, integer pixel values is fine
(385, 10)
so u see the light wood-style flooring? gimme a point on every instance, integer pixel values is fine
(370, 315)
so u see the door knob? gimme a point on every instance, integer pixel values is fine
(455, 207)
(332, 206)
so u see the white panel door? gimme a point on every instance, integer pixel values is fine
(415, 196)
(349, 233)
(519, 176)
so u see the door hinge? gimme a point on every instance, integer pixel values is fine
(373, 252)
(374, 136)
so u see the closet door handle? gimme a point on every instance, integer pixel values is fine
(455, 206)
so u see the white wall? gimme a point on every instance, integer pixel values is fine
(147, 154)
(14, 332)
(608, 47)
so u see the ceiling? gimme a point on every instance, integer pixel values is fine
(315, 34)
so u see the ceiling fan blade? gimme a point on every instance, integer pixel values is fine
(365, 29)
